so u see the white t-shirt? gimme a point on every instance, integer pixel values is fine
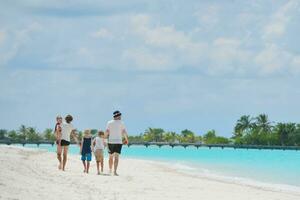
(116, 128)
(99, 143)
(66, 130)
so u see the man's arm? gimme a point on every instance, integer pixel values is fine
(106, 134)
(125, 135)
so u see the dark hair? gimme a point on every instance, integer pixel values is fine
(100, 133)
(117, 114)
(69, 118)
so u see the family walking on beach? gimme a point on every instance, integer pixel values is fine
(114, 133)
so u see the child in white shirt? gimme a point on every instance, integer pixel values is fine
(98, 147)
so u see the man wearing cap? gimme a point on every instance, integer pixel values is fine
(115, 131)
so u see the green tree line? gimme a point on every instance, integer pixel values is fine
(261, 131)
(185, 136)
(247, 130)
(32, 135)
(27, 134)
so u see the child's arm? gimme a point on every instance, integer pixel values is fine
(106, 134)
(93, 144)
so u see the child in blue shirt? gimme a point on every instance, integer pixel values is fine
(86, 151)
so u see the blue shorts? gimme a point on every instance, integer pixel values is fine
(87, 157)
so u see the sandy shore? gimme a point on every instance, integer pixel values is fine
(33, 174)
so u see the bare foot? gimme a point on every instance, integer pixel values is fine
(98, 173)
(116, 174)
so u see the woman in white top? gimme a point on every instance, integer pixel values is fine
(67, 130)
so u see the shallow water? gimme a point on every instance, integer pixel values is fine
(268, 166)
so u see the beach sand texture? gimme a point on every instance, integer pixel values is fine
(33, 174)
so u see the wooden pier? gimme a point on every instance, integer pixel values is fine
(222, 146)
(160, 144)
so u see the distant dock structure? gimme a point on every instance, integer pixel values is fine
(185, 145)
(222, 146)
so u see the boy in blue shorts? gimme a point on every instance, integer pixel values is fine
(86, 151)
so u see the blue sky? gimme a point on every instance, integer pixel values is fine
(171, 64)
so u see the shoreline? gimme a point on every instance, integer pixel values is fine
(193, 169)
(144, 179)
(190, 170)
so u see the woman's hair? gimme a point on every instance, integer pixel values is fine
(100, 133)
(69, 118)
(58, 117)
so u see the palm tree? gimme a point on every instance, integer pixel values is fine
(174, 136)
(23, 132)
(48, 134)
(3, 133)
(281, 131)
(262, 130)
(13, 135)
(154, 134)
(209, 137)
(187, 136)
(32, 134)
(94, 132)
(242, 125)
(167, 137)
(297, 135)
(285, 132)
(263, 123)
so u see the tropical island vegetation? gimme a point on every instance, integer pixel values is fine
(247, 131)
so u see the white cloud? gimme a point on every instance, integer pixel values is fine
(229, 42)
(222, 55)
(229, 49)
(2, 37)
(273, 59)
(144, 60)
(102, 33)
(227, 55)
(295, 65)
(161, 36)
(16, 40)
(151, 42)
(208, 16)
(81, 57)
(170, 42)
(279, 21)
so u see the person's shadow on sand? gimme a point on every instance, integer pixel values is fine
(104, 174)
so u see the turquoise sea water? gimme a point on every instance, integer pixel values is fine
(267, 166)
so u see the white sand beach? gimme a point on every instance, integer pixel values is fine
(33, 174)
